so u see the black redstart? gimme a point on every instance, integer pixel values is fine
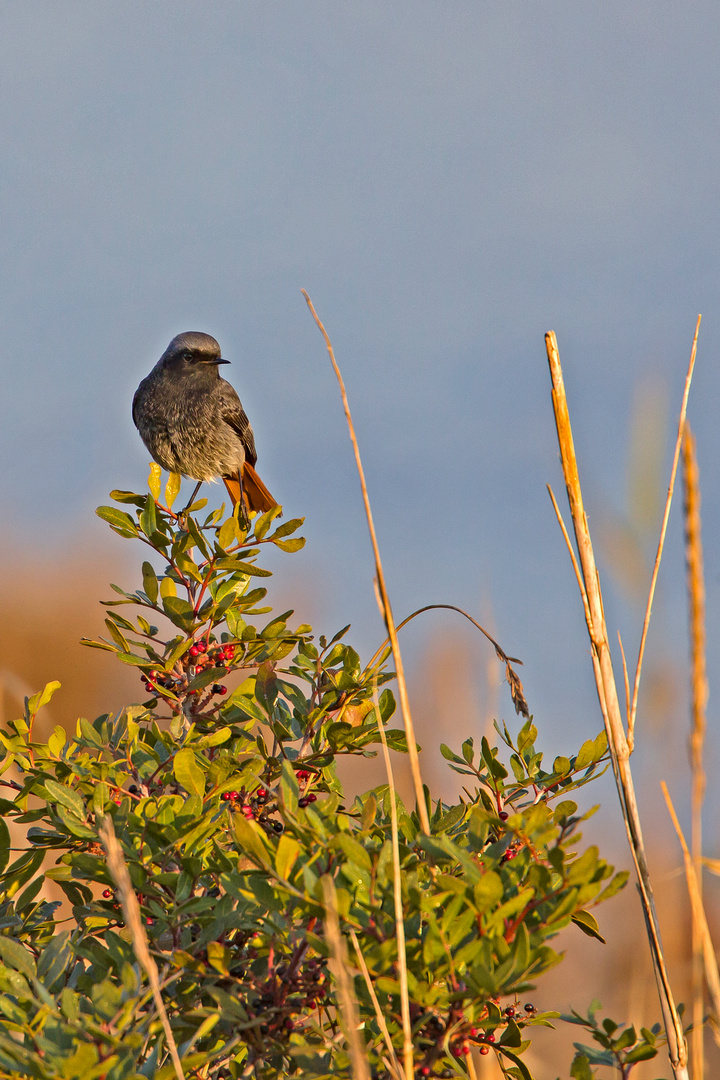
(193, 423)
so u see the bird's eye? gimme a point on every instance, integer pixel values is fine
(187, 355)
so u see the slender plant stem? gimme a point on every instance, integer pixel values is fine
(661, 541)
(610, 707)
(699, 696)
(379, 1015)
(338, 964)
(133, 920)
(386, 607)
(712, 975)
(408, 1055)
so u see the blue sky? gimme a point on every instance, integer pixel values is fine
(448, 181)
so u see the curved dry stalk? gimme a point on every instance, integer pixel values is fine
(516, 688)
(663, 530)
(386, 607)
(133, 920)
(610, 707)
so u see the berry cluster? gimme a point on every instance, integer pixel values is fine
(199, 656)
(463, 1035)
(254, 807)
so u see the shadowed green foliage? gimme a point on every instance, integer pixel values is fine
(229, 812)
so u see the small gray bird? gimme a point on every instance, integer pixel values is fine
(193, 423)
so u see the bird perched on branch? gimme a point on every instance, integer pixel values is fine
(193, 422)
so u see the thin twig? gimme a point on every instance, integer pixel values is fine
(338, 964)
(626, 681)
(610, 707)
(663, 530)
(576, 568)
(712, 976)
(408, 1055)
(386, 607)
(699, 696)
(379, 1015)
(516, 688)
(133, 920)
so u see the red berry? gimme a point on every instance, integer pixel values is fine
(226, 795)
(221, 690)
(117, 800)
(473, 1033)
(107, 893)
(262, 793)
(202, 646)
(229, 652)
(484, 1050)
(457, 1051)
(490, 1036)
(234, 795)
(247, 811)
(194, 651)
(510, 1011)
(149, 921)
(303, 774)
(425, 1071)
(504, 815)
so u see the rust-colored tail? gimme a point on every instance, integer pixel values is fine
(256, 496)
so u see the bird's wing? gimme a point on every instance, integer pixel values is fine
(234, 415)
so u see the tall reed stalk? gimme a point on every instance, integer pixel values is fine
(619, 743)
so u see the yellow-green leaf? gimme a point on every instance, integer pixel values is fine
(188, 772)
(172, 488)
(154, 480)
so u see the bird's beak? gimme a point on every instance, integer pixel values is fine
(218, 360)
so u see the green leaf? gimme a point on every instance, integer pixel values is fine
(150, 582)
(188, 772)
(179, 611)
(118, 520)
(287, 853)
(67, 796)
(588, 925)
(295, 544)
(17, 956)
(580, 1068)
(148, 518)
(4, 845)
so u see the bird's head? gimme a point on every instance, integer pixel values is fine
(192, 352)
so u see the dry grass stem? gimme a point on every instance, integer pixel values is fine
(133, 920)
(338, 964)
(610, 707)
(408, 1056)
(395, 1067)
(516, 687)
(626, 678)
(386, 606)
(712, 976)
(663, 530)
(699, 696)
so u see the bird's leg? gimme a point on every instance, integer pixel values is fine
(243, 511)
(182, 515)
